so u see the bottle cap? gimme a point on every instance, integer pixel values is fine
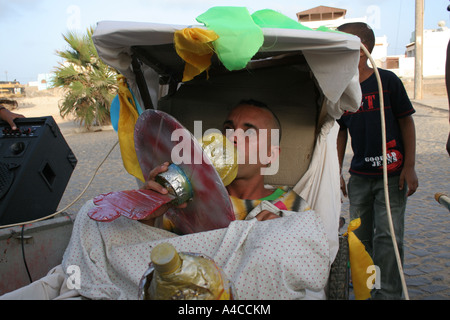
(165, 258)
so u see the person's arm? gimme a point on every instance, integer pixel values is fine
(447, 75)
(341, 145)
(9, 116)
(447, 85)
(266, 215)
(408, 173)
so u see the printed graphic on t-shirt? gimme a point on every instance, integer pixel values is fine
(394, 158)
(367, 102)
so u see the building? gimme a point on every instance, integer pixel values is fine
(43, 81)
(321, 13)
(11, 89)
(434, 43)
(325, 16)
(334, 17)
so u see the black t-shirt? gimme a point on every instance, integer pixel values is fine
(364, 126)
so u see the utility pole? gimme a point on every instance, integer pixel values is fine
(418, 69)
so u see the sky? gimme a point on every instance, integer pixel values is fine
(31, 30)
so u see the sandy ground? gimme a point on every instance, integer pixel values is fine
(45, 103)
(42, 103)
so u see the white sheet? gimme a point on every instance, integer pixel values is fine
(276, 259)
(320, 185)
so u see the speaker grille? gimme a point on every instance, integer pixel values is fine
(6, 179)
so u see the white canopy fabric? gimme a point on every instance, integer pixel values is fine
(331, 56)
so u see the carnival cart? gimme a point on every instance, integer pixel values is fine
(307, 77)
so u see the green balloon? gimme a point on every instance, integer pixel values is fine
(239, 37)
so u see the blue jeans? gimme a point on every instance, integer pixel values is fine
(367, 201)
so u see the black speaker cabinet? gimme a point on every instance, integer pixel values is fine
(35, 166)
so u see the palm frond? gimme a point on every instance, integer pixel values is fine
(91, 84)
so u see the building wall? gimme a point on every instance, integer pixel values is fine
(435, 52)
(44, 80)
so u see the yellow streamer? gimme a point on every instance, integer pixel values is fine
(360, 261)
(194, 46)
(127, 120)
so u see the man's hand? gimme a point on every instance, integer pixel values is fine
(266, 215)
(151, 184)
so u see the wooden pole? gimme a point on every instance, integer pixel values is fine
(418, 69)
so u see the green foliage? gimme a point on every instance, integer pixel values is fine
(90, 84)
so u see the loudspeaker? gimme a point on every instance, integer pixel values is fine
(35, 166)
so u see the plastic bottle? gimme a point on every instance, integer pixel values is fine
(183, 276)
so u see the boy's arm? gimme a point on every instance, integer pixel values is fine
(447, 85)
(408, 173)
(341, 145)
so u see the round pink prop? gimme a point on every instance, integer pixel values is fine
(210, 207)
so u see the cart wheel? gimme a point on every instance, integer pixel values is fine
(338, 281)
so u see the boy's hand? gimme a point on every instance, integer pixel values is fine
(409, 176)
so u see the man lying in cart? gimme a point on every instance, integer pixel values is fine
(248, 118)
(281, 253)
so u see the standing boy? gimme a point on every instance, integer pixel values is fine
(366, 186)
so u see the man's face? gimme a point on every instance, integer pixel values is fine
(250, 129)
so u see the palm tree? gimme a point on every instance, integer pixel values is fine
(90, 84)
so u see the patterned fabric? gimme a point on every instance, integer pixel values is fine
(285, 199)
(276, 259)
